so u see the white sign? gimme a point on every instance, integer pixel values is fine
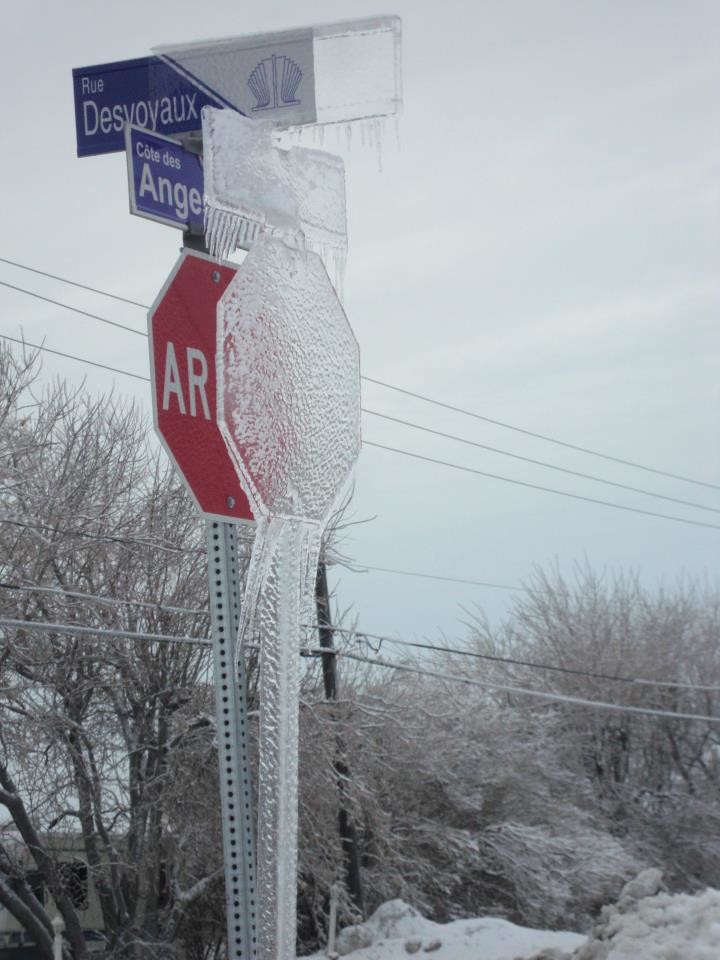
(268, 76)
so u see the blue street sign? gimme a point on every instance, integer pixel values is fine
(165, 180)
(145, 92)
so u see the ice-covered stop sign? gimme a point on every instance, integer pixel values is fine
(181, 325)
(289, 386)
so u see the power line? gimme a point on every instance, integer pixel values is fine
(417, 456)
(361, 634)
(65, 306)
(456, 466)
(70, 629)
(98, 538)
(464, 652)
(540, 436)
(381, 638)
(525, 691)
(61, 594)
(374, 413)
(382, 383)
(436, 576)
(73, 283)
(146, 543)
(540, 463)
(78, 631)
(352, 634)
(70, 356)
(537, 486)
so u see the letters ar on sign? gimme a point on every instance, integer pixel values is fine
(182, 333)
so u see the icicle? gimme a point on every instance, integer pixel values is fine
(348, 135)
(334, 258)
(379, 133)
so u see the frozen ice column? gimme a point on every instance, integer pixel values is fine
(289, 409)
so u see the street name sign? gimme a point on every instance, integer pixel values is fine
(164, 179)
(332, 73)
(146, 92)
(182, 331)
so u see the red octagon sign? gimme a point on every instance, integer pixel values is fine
(181, 325)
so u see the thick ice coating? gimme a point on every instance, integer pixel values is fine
(289, 410)
(251, 184)
(275, 604)
(288, 382)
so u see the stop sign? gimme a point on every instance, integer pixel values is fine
(181, 325)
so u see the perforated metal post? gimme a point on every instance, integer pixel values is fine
(233, 754)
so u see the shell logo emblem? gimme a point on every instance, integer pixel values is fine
(274, 83)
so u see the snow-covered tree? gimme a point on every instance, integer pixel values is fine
(102, 738)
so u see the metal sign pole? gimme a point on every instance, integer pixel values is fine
(232, 745)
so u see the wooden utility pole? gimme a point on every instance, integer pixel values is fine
(348, 835)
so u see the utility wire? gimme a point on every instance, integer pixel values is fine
(363, 635)
(390, 386)
(537, 486)
(360, 635)
(436, 576)
(540, 463)
(448, 436)
(73, 283)
(61, 594)
(416, 426)
(417, 456)
(381, 638)
(540, 436)
(65, 306)
(511, 661)
(98, 537)
(526, 692)
(71, 629)
(78, 631)
(351, 634)
(70, 356)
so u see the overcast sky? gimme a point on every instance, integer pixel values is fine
(542, 250)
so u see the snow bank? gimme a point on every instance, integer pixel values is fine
(647, 925)
(396, 931)
(643, 925)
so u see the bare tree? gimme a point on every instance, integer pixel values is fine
(657, 779)
(102, 737)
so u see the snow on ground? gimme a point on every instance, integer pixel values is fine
(643, 925)
(396, 931)
(661, 926)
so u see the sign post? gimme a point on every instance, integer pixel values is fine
(182, 357)
(232, 742)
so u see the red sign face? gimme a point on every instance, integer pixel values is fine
(182, 325)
